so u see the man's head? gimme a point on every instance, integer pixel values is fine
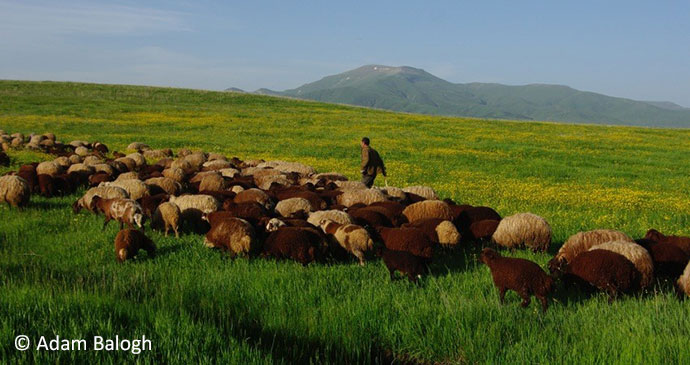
(365, 141)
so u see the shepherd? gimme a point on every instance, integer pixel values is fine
(372, 163)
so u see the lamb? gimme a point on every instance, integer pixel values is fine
(135, 188)
(167, 216)
(408, 264)
(105, 192)
(254, 195)
(425, 192)
(636, 254)
(300, 244)
(523, 276)
(14, 191)
(438, 230)
(334, 215)
(233, 235)
(482, 230)
(525, 229)
(128, 242)
(605, 270)
(364, 196)
(125, 211)
(412, 240)
(428, 209)
(353, 238)
(682, 242)
(583, 241)
(683, 283)
(293, 207)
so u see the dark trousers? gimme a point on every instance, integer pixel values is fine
(368, 180)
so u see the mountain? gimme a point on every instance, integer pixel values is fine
(235, 90)
(414, 90)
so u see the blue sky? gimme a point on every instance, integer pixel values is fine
(639, 50)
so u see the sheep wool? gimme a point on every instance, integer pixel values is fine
(14, 191)
(353, 238)
(167, 216)
(448, 234)
(363, 196)
(583, 241)
(337, 216)
(201, 202)
(425, 192)
(428, 209)
(293, 207)
(684, 281)
(174, 173)
(130, 163)
(525, 229)
(636, 254)
(136, 188)
(138, 158)
(345, 185)
(233, 235)
(168, 185)
(48, 168)
(105, 192)
(212, 182)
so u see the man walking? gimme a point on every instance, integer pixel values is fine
(372, 163)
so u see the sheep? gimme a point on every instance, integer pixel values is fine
(353, 238)
(303, 245)
(46, 185)
(100, 147)
(345, 185)
(314, 199)
(128, 242)
(394, 193)
(81, 168)
(233, 235)
(423, 191)
(212, 182)
(93, 160)
(102, 167)
(98, 178)
(636, 254)
(364, 196)
(176, 174)
(74, 159)
(334, 215)
(230, 173)
(408, 264)
(412, 240)
(523, 276)
(136, 188)
(131, 175)
(105, 192)
(48, 168)
(438, 230)
(164, 184)
(669, 259)
(125, 211)
(129, 162)
(138, 146)
(273, 224)
(196, 159)
(683, 283)
(474, 214)
(583, 241)
(216, 165)
(63, 162)
(525, 229)
(293, 207)
(428, 209)
(14, 191)
(605, 270)
(193, 206)
(214, 156)
(254, 195)
(369, 217)
(682, 242)
(482, 230)
(149, 204)
(81, 151)
(250, 211)
(157, 154)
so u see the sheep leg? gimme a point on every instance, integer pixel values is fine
(502, 294)
(412, 278)
(105, 222)
(392, 272)
(166, 229)
(360, 257)
(177, 235)
(525, 298)
(544, 303)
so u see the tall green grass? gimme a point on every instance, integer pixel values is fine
(58, 275)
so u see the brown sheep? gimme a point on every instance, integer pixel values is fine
(583, 241)
(254, 195)
(474, 214)
(149, 204)
(303, 245)
(523, 276)
(46, 185)
(353, 238)
(250, 211)
(439, 231)
(605, 270)
(412, 240)
(428, 209)
(14, 191)
(482, 230)
(682, 242)
(128, 242)
(408, 264)
(167, 216)
(125, 211)
(369, 217)
(4, 159)
(232, 235)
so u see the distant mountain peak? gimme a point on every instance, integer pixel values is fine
(409, 89)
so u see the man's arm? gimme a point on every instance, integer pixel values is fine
(365, 159)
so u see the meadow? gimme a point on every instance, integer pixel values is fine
(58, 274)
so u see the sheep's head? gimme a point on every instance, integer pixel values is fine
(76, 207)
(654, 235)
(139, 219)
(273, 224)
(557, 266)
(487, 255)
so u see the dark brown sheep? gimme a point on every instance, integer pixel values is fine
(369, 217)
(682, 242)
(523, 276)
(4, 159)
(151, 202)
(303, 245)
(474, 214)
(128, 242)
(314, 199)
(605, 270)
(394, 211)
(46, 185)
(412, 240)
(28, 173)
(99, 177)
(482, 230)
(406, 263)
(669, 259)
(249, 211)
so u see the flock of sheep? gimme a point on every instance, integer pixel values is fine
(287, 210)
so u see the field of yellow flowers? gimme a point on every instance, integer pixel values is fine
(58, 276)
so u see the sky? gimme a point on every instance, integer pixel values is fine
(638, 50)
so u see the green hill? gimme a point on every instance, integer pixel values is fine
(413, 90)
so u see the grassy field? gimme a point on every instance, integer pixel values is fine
(58, 275)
